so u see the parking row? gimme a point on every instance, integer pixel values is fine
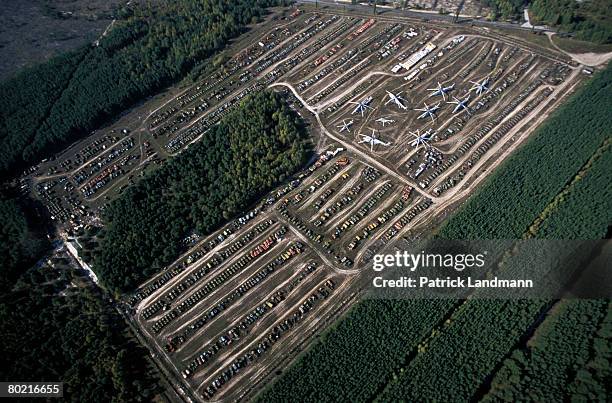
(339, 205)
(205, 123)
(279, 330)
(103, 161)
(490, 142)
(356, 64)
(324, 178)
(195, 255)
(234, 296)
(387, 215)
(363, 211)
(293, 43)
(219, 279)
(206, 267)
(241, 327)
(485, 129)
(90, 151)
(407, 218)
(298, 224)
(476, 61)
(308, 51)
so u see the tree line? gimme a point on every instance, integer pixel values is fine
(255, 147)
(53, 331)
(505, 9)
(589, 20)
(20, 245)
(55, 328)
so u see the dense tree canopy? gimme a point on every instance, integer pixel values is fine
(19, 245)
(506, 9)
(589, 20)
(53, 333)
(556, 152)
(254, 147)
(53, 330)
(154, 45)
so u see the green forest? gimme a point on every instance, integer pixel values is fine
(448, 350)
(20, 246)
(505, 9)
(54, 332)
(53, 328)
(577, 336)
(589, 20)
(150, 47)
(254, 148)
(554, 154)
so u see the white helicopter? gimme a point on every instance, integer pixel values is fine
(373, 140)
(345, 126)
(362, 106)
(461, 104)
(421, 139)
(481, 86)
(384, 121)
(397, 99)
(428, 111)
(443, 91)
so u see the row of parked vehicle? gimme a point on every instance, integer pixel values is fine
(381, 219)
(242, 289)
(201, 126)
(363, 210)
(487, 126)
(210, 264)
(298, 224)
(339, 205)
(103, 161)
(356, 64)
(240, 327)
(490, 142)
(406, 218)
(215, 283)
(292, 44)
(279, 330)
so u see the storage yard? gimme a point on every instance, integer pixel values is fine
(408, 117)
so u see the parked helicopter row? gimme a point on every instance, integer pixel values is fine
(428, 111)
(420, 139)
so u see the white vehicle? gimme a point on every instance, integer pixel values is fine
(428, 111)
(373, 140)
(441, 90)
(397, 99)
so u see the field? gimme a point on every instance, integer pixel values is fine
(32, 31)
(408, 118)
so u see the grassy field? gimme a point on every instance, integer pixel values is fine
(575, 46)
(33, 30)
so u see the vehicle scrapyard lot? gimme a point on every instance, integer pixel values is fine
(241, 302)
